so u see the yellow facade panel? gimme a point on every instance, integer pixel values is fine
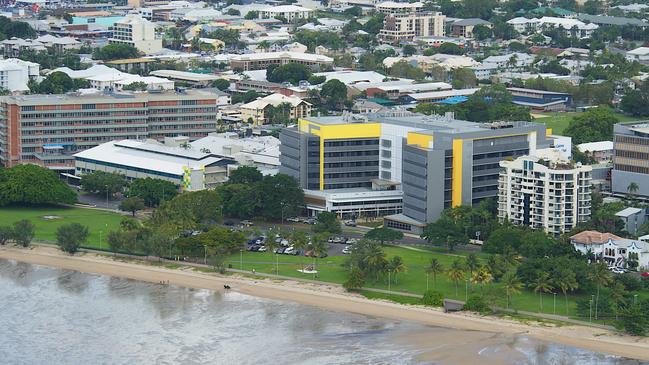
(419, 139)
(456, 193)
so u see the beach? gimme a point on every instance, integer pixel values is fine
(332, 297)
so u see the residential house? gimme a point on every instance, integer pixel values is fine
(256, 111)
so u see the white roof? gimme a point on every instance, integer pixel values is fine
(353, 77)
(596, 146)
(444, 94)
(567, 23)
(89, 72)
(148, 155)
(261, 150)
(285, 9)
(640, 51)
(274, 100)
(48, 38)
(15, 64)
(284, 54)
(392, 4)
(520, 57)
(184, 75)
(522, 20)
(628, 212)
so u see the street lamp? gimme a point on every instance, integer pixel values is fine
(241, 258)
(590, 308)
(107, 207)
(205, 259)
(466, 291)
(389, 280)
(554, 311)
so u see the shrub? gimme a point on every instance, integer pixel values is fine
(433, 298)
(476, 303)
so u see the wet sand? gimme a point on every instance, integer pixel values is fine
(333, 297)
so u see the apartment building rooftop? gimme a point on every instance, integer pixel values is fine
(99, 97)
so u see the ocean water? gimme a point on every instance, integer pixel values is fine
(53, 316)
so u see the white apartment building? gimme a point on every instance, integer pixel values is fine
(137, 32)
(405, 21)
(15, 74)
(544, 192)
(289, 12)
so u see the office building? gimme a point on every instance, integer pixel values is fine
(405, 21)
(631, 159)
(48, 129)
(388, 164)
(258, 61)
(137, 32)
(454, 162)
(545, 192)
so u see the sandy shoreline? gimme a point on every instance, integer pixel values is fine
(334, 298)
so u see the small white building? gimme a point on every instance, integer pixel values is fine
(289, 12)
(613, 250)
(639, 54)
(509, 62)
(15, 74)
(137, 32)
(601, 151)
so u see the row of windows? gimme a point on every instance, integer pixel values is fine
(129, 168)
(353, 142)
(351, 174)
(632, 140)
(632, 154)
(369, 202)
(348, 185)
(398, 225)
(76, 114)
(350, 164)
(351, 153)
(629, 168)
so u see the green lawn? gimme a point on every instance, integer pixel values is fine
(331, 269)
(95, 220)
(559, 121)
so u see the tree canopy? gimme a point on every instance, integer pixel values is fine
(115, 52)
(593, 125)
(71, 236)
(31, 184)
(57, 83)
(291, 72)
(102, 183)
(152, 191)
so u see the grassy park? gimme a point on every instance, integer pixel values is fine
(559, 121)
(331, 269)
(47, 219)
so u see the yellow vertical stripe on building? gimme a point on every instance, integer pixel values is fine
(456, 193)
(419, 139)
(337, 131)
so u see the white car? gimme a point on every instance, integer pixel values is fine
(262, 249)
(289, 250)
(618, 270)
(351, 241)
(347, 250)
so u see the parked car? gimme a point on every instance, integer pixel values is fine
(289, 250)
(247, 223)
(618, 270)
(262, 249)
(293, 219)
(351, 241)
(350, 223)
(280, 250)
(347, 250)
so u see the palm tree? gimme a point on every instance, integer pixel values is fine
(472, 263)
(482, 276)
(434, 268)
(631, 190)
(375, 261)
(271, 246)
(602, 277)
(396, 266)
(566, 281)
(618, 292)
(319, 247)
(300, 241)
(512, 285)
(263, 45)
(542, 285)
(456, 273)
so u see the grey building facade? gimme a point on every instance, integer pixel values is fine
(631, 159)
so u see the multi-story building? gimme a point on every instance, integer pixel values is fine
(258, 61)
(137, 32)
(454, 162)
(407, 165)
(257, 110)
(544, 192)
(405, 21)
(15, 74)
(631, 159)
(464, 27)
(48, 129)
(291, 13)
